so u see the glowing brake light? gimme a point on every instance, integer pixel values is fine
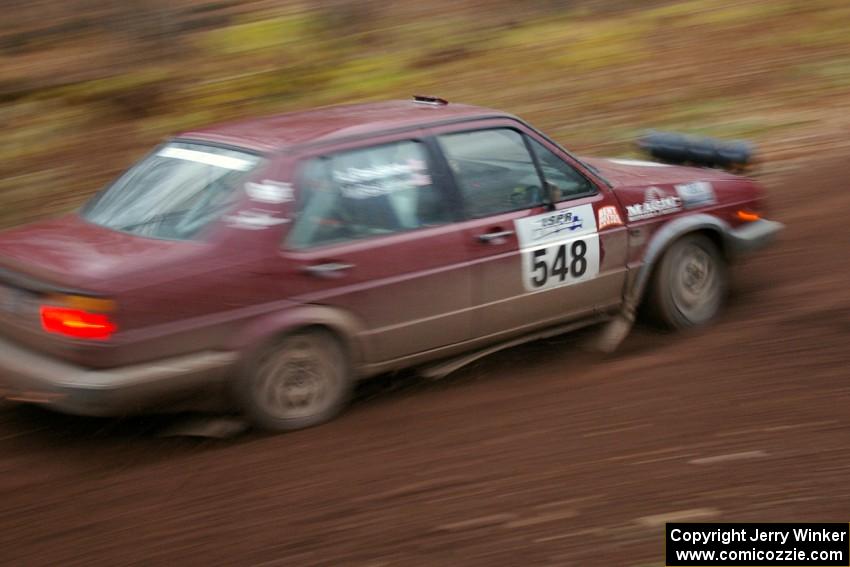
(76, 323)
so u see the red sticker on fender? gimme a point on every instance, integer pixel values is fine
(609, 216)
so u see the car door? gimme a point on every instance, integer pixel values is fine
(375, 236)
(541, 254)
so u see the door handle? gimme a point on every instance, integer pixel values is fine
(494, 237)
(328, 270)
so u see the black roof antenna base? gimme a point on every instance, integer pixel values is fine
(433, 100)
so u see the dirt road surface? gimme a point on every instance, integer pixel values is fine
(541, 455)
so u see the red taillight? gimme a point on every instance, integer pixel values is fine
(76, 323)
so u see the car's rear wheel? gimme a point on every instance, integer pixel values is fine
(302, 380)
(690, 284)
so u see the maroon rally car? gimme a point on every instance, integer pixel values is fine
(274, 262)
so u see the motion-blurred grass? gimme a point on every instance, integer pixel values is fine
(87, 86)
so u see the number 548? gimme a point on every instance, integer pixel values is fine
(562, 266)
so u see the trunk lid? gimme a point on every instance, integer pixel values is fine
(70, 256)
(70, 253)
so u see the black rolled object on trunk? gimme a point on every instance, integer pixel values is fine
(680, 149)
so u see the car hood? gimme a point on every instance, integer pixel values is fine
(71, 252)
(629, 172)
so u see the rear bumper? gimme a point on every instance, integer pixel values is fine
(31, 377)
(753, 236)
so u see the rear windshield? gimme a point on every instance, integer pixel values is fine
(174, 192)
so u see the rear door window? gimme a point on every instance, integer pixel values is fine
(365, 193)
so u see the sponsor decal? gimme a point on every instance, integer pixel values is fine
(638, 162)
(367, 182)
(696, 194)
(271, 192)
(655, 202)
(558, 248)
(555, 225)
(609, 216)
(254, 219)
(565, 221)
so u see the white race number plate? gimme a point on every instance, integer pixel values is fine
(558, 248)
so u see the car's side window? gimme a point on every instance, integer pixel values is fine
(565, 181)
(364, 193)
(494, 171)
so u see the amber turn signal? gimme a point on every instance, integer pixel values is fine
(83, 302)
(748, 216)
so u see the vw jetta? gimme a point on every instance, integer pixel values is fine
(274, 262)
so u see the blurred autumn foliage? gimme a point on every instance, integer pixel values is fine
(87, 85)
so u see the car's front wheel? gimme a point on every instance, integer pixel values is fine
(690, 284)
(302, 380)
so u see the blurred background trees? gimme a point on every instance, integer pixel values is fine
(87, 85)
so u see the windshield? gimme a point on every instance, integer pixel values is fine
(174, 192)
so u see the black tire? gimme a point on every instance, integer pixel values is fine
(301, 380)
(689, 285)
